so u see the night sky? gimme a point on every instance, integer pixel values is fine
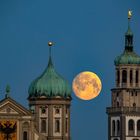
(88, 35)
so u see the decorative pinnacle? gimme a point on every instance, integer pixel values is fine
(7, 89)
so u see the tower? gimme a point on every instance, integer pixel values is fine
(124, 113)
(49, 100)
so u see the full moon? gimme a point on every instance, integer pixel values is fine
(86, 85)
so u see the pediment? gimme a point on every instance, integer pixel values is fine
(9, 106)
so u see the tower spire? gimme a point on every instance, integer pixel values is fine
(129, 35)
(50, 44)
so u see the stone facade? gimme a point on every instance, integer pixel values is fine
(55, 113)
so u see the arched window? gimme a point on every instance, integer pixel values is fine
(131, 127)
(137, 75)
(130, 76)
(25, 135)
(57, 125)
(118, 76)
(118, 127)
(124, 76)
(138, 127)
(43, 126)
(113, 127)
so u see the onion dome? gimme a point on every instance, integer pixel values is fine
(49, 84)
(128, 56)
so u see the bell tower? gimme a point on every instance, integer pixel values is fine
(124, 113)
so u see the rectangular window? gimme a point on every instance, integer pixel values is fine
(57, 125)
(25, 135)
(66, 125)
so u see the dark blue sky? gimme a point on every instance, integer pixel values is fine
(88, 35)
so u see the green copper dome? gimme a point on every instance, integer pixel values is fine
(49, 84)
(127, 58)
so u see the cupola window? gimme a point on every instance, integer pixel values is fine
(118, 76)
(130, 76)
(138, 127)
(124, 76)
(137, 75)
(131, 127)
(113, 127)
(118, 127)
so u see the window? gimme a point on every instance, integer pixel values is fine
(43, 110)
(66, 125)
(131, 125)
(57, 125)
(138, 125)
(130, 76)
(118, 76)
(25, 135)
(124, 76)
(43, 126)
(118, 127)
(137, 75)
(113, 127)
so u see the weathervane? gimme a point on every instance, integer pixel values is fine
(129, 17)
(129, 14)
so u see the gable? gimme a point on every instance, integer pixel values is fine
(9, 106)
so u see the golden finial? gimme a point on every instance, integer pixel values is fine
(50, 43)
(129, 14)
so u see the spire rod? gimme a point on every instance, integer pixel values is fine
(50, 44)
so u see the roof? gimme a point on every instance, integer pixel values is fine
(127, 58)
(49, 84)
